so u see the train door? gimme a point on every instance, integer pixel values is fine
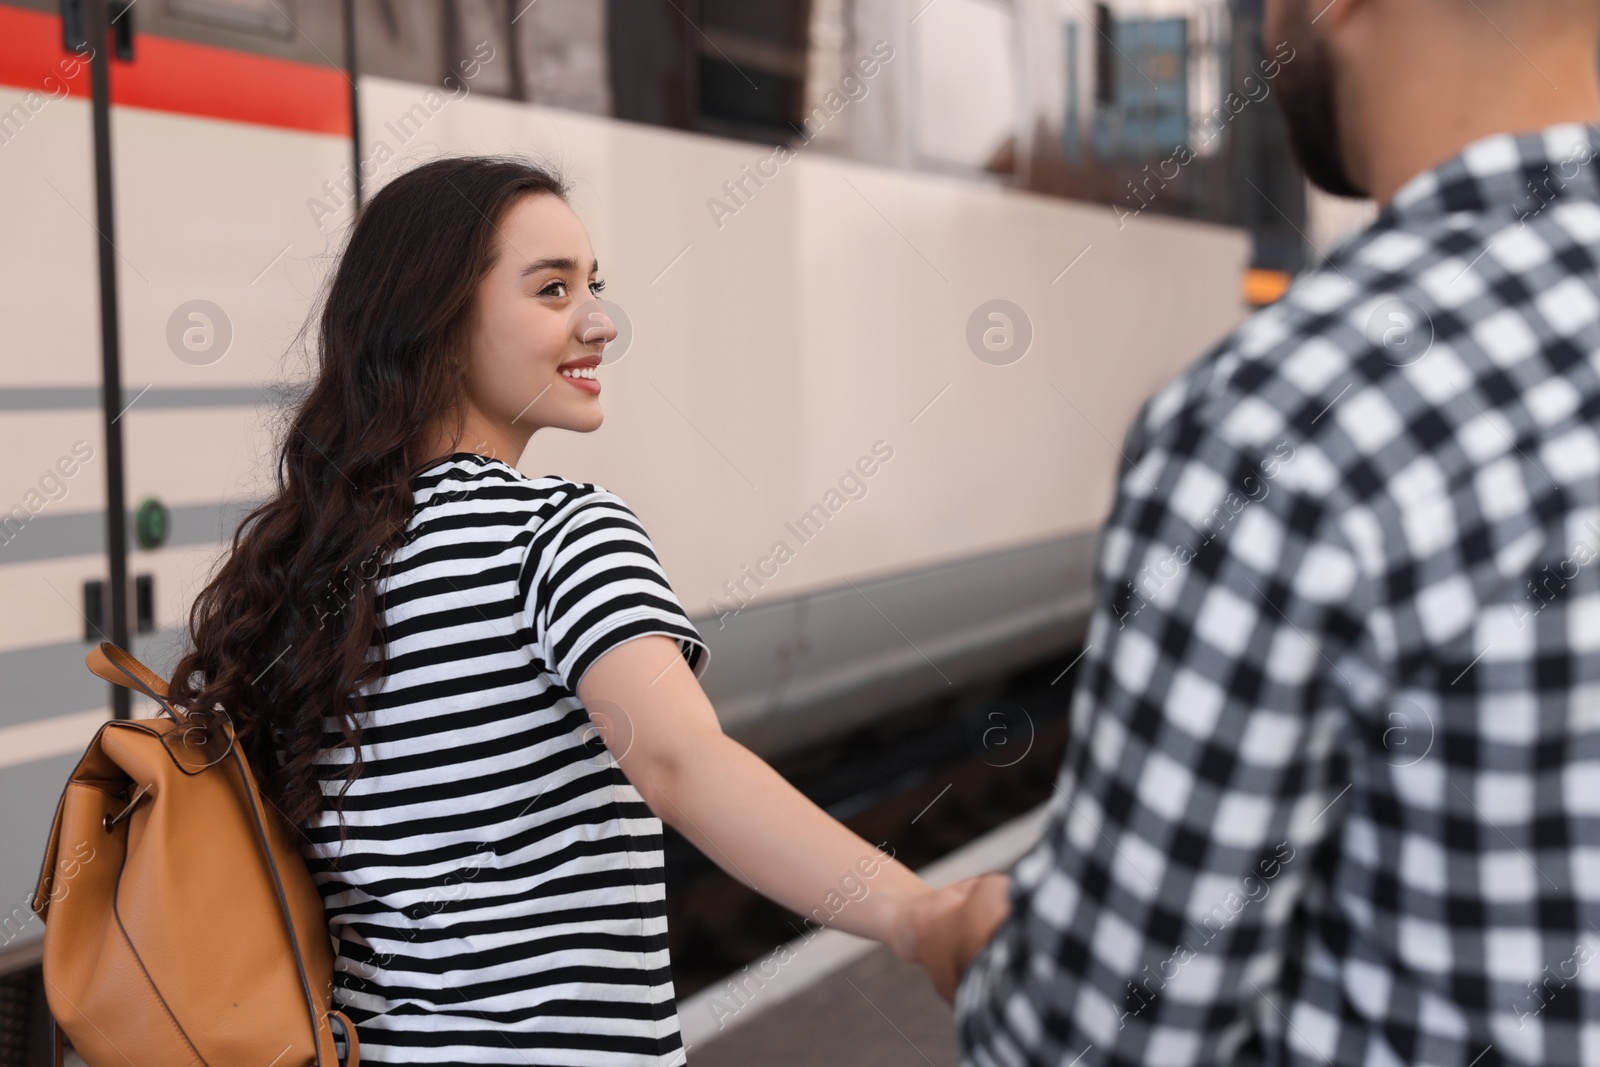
(228, 162)
(52, 480)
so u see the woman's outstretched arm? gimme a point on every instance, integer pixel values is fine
(664, 733)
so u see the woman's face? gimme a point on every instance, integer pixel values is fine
(536, 314)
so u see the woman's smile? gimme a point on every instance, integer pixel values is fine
(583, 378)
(583, 373)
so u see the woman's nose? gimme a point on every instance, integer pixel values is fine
(594, 325)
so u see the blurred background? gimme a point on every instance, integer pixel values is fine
(955, 243)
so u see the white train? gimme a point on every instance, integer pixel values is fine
(896, 274)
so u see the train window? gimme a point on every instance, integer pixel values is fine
(400, 41)
(724, 67)
(250, 16)
(430, 41)
(1147, 108)
(648, 63)
(1104, 70)
(307, 31)
(1164, 110)
(965, 55)
(748, 96)
(560, 54)
(751, 65)
(478, 39)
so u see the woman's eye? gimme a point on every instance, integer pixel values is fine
(551, 289)
(597, 286)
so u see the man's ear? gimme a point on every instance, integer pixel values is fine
(1330, 16)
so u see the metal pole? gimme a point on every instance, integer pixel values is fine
(351, 67)
(110, 350)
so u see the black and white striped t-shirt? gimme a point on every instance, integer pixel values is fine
(499, 898)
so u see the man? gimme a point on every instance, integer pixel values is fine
(1333, 790)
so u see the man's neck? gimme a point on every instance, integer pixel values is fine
(1420, 122)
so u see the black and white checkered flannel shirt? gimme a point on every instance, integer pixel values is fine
(1333, 790)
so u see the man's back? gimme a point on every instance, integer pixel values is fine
(1333, 794)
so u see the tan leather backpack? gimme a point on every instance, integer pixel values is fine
(182, 925)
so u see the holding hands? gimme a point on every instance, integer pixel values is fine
(943, 929)
(753, 823)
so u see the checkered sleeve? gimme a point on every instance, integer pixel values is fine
(1206, 763)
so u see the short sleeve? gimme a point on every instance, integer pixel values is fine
(591, 580)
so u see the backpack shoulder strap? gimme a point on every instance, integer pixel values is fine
(119, 668)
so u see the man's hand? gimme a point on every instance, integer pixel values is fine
(954, 923)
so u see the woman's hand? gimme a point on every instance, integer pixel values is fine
(921, 911)
(947, 927)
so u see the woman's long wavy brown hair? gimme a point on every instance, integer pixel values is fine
(279, 639)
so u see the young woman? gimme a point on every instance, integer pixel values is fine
(475, 691)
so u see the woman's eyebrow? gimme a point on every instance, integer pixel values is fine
(555, 263)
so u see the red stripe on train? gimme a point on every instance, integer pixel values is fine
(178, 76)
